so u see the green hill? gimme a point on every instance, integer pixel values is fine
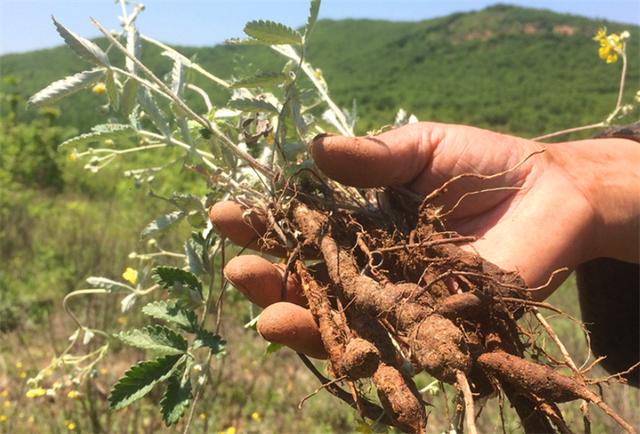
(514, 69)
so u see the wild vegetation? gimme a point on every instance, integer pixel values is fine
(43, 187)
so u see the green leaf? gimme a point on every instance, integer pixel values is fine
(314, 8)
(157, 338)
(173, 278)
(134, 47)
(171, 311)
(250, 105)
(238, 41)
(150, 107)
(273, 347)
(205, 338)
(261, 80)
(176, 399)
(193, 252)
(273, 33)
(140, 379)
(114, 132)
(112, 91)
(128, 100)
(62, 88)
(82, 47)
(162, 223)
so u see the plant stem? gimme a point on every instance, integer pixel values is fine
(570, 130)
(182, 105)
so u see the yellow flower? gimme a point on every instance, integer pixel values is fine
(610, 45)
(4, 393)
(34, 393)
(18, 365)
(3, 418)
(73, 156)
(256, 416)
(6, 404)
(23, 375)
(73, 394)
(99, 88)
(71, 425)
(202, 416)
(130, 275)
(231, 430)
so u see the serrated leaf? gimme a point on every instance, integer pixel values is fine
(205, 338)
(162, 223)
(140, 379)
(238, 41)
(247, 105)
(171, 311)
(173, 278)
(176, 399)
(260, 80)
(62, 88)
(112, 91)
(128, 100)
(187, 202)
(82, 47)
(157, 338)
(193, 252)
(114, 132)
(177, 77)
(314, 9)
(150, 107)
(273, 33)
(134, 47)
(104, 283)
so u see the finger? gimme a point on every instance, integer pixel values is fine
(245, 228)
(291, 325)
(261, 281)
(392, 158)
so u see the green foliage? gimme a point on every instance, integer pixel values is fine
(141, 378)
(272, 33)
(172, 312)
(176, 399)
(158, 339)
(176, 279)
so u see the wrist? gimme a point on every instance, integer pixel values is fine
(607, 172)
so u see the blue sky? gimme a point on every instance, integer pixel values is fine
(26, 24)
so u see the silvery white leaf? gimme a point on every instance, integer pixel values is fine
(128, 302)
(65, 87)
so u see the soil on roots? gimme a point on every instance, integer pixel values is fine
(400, 296)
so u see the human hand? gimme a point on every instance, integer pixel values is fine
(541, 214)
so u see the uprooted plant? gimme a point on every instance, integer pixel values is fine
(398, 294)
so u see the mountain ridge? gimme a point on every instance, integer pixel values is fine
(505, 67)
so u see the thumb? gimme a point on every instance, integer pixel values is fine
(392, 158)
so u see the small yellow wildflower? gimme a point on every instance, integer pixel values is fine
(6, 404)
(71, 425)
(34, 393)
(73, 394)
(3, 418)
(18, 364)
(73, 156)
(103, 371)
(108, 142)
(130, 275)
(23, 375)
(255, 416)
(231, 430)
(31, 420)
(99, 88)
(202, 416)
(4, 393)
(611, 46)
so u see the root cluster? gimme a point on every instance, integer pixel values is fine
(400, 296)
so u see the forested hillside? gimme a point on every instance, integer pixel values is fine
(509, 68)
